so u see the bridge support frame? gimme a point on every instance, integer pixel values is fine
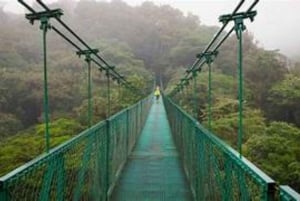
(87, 54)
(194, 74)
(44, 18)
(209, 57)
(4, 195)
(238, 19)
(108, 90)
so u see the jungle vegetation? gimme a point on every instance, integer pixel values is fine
(145, 42)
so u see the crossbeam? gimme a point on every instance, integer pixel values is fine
(238, 19)
(44, 18)
(44, 15)
(87, 53)
(242, 15)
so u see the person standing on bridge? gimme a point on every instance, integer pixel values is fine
(157, 93)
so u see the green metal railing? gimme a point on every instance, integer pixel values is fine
(288, 194)
(210, 53)
(216, 171)
(85, 167)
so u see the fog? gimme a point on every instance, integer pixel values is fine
(275, 27)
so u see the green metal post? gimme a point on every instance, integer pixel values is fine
(119, 91)
(127, 133)
(108, 161)
(4, 195)
(240, 75)
(209, 96)
(195, 95)
(44, 19)
(228, 167)
(90, 115)
(108, 93)
(239, 27)
(44, 27)
(61, 178)
(88, 59)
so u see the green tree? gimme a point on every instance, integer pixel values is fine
(225, 121)
(28, 144)
(277, 152)
(285, 98)
(263, 71)
(9, 124)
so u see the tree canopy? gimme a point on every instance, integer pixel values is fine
(144, 42)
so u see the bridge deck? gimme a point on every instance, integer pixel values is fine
(153, 171)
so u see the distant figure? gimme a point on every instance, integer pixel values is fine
(157, 93)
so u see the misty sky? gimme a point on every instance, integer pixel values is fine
(275, 27)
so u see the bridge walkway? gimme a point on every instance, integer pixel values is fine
(153, 171)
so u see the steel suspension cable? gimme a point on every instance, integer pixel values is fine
(198, 62)
(66, 38)
(239, 27)
(113, 72)
(72, 32)
(197, 65)
(44, 27)
(44, 18)
(217, 34)
(83, 42)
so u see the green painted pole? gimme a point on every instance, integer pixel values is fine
(90, 115)
(108, 93)
(240, 75)
(4, 194)
(195, 97)
(88, 59)
(108, 161)
(119, 92)
(44, 27)
(127, 133)
(239, 28)
(209, 96)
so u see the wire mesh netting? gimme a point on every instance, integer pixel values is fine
(83, 168)
(288, 194)
(153, 171)
(88, 166)
(215, 171)
(64, 173)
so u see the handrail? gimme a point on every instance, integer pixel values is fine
(288, 194)
(112, 71)
(212, 52)
(215, 170)
(92, 159)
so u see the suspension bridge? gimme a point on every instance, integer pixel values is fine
(150, 151)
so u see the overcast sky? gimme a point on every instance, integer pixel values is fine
(275, 27)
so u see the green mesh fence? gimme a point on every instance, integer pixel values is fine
(85, 167)
(288, 194)
(153, 171)
(215, 171)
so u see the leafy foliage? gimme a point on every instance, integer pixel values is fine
(277, 151)
(225, 121)
(9, 124)
(159, 41)
(285, 96)
(271, 93)
(30, 143)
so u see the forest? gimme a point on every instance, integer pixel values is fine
(145, 42)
